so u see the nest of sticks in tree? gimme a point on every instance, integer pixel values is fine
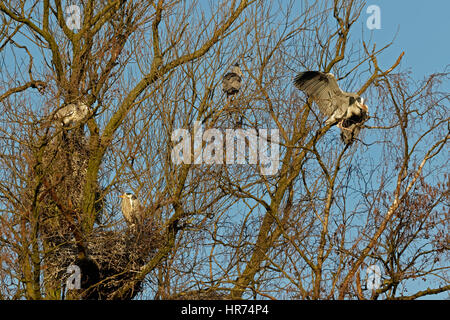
(113, 259)
(110, 258)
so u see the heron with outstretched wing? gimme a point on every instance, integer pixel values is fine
(346, 109)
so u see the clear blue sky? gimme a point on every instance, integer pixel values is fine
(423, 33)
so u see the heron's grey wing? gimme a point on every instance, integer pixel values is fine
(323, 88)
(231, 81)
(65, 112)
(126, 209)
(81, 112)
(136, 204)
(232, 76)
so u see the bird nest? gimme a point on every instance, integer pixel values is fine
(107, 258)
(113, 259)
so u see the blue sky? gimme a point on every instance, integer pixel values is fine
(423, 33)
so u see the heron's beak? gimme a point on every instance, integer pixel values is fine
(121, 196)
(366, 109)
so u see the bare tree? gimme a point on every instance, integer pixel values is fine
(213, 230)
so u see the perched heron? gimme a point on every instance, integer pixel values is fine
(231, 84)
(232, 81)
(346, 109)
(72, 113)
(131, 208)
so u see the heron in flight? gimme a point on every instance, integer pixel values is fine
(345, 109)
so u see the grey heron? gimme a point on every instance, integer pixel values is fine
(231, 84)
(72, 113)
(346, 109)
(232, 81)
(131, 208)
